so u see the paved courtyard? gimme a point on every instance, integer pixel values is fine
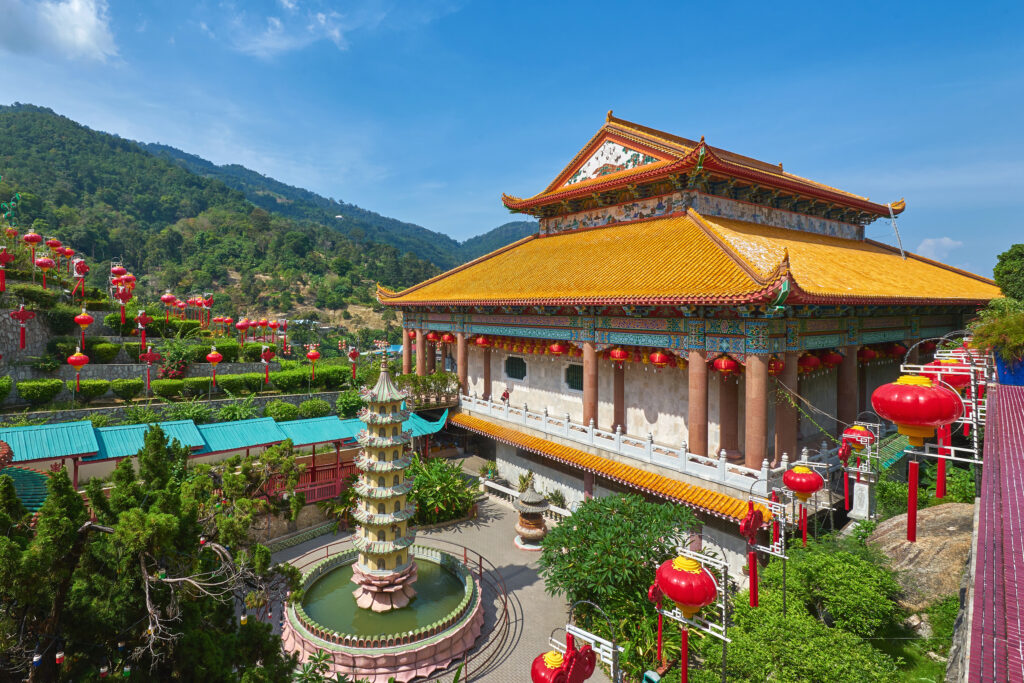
(533, 613)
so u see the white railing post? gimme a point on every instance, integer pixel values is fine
(566, 426)
(618, 439)
(590, 432)
(723, 464)
(762, 481)
(805, 454)
(545, 427)
(684, 451)
(507, 405)
(526, 410)
(650, 447)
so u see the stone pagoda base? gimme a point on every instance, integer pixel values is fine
(384, 592)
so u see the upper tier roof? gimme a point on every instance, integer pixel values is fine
(645, 154)
(687, 258)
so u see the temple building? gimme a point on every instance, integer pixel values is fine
(679, 320)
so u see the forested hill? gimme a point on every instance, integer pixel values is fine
(107, 197)
(496, 238)
(295, 202)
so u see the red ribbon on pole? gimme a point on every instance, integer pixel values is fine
(945, 436)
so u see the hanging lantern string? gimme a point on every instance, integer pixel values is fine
(812, 406)
(791, 395)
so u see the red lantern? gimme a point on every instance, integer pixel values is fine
(896, 350)
(313, 357)
(749, 527)
(808, 363)
(726, 366)
(917, 405)
(5, 258)
(804, 483)
(483, 341)
(412, 335)
(213, 357)
(54, 244)
(124, 295)
(831, 359)
(858, 436)
(448, 338)
(433, 337)
(168, 301)
(558, 349)
(78, 360)
(22, 316)
(952, 372)
(83, 320)
(691, 587)
(926, 347)
(118, 271)
(776, 366)
(866, 355)
(44, 263)
(11, 232)
(242, 325)
(659, 359)
(32, 239)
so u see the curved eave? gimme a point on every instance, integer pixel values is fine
(711, 162)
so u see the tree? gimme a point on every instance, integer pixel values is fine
(1009, 272)
(165, 568)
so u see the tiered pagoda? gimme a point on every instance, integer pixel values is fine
(385, 570)
(675, 317)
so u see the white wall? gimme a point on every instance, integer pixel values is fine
(656, 402)
(820, 390)
(511, 464)
(878, 373)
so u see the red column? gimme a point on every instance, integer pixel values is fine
(487, 373)
(588, 485)
(589, 382)
(697, 426)
(431, 357)
(406, 352)
(756, 414)
(461, 361)
(421, 353)
(619, 397)
(785, 412)
(728, 415)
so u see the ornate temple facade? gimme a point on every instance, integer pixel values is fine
(385, 571)
(680, 318)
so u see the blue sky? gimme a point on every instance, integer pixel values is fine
(427, 111)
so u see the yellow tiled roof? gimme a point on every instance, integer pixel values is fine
(690, 258)
(839, 268)
(666, 258)
(698, 497)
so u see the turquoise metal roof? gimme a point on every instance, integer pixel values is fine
(29, 485)
(128, 440)
(42, 442)
(320, 430)
(231, 436)
(421, 427)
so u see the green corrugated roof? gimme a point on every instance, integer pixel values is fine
(127, 440)
(231, 436)
(29, 485)
(41, 442)
(320, 430)
(421, 427)
(891, 450)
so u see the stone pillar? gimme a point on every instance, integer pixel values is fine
(588, 485)
(847, 391)
(619, 397)
(728, 416)
(756, 414)
(421, 353)
(697, 426)
(487, 373)
(589, 382)
(462, 361)
(785, 412)
(406, 352)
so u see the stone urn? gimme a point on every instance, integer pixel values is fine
(531, 526)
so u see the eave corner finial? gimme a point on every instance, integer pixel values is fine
(608, 117)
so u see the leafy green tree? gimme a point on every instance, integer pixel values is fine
(440, 492)
(348, 403)
(1009, 272)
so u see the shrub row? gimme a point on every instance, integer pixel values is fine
(99, 350)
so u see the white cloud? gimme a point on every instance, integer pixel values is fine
(78, 29)
(938, 248)
(289, 4)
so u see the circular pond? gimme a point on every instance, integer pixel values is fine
(330, 602)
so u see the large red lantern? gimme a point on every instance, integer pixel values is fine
(831, 359)
(44, 263)
(242, 325)
(917, 405)
(448, 338)
(273, 325)
(953, 372)
(659, 359)
(808, 363)
(558, 349)
(168, 300)
(54, 244)
(412, 335)
(804, 483)
(483, 341)
(118, 271)
(214, 357)
(5, 258)
(313, 357)
(83, 320)
(433, 337)
(618, 355)
(776, 366)
(78, 360)
(11, 232)
(575, 666)
(858, 437)
(691, 587)
(896, 350)
(726, 366)
(32, 239)
(866, 355)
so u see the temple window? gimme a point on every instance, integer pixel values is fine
(398, 506)
(396, 480)
(574, 376)
(515, 368)
(380, 508)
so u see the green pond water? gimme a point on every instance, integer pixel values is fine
(330, 602)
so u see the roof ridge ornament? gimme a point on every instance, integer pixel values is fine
(608, 117)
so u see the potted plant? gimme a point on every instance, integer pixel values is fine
(1000, 329)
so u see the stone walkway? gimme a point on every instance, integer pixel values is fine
(533, 613)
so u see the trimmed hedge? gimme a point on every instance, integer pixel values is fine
(98, 305)
(281, 411)
(6, 384)
(314, 407)
(127, 388)
(196, 386)
(186, 328)
(290, 381)
(133, 349)
(39, 392)
(332, 377)
(35, 294)
(88, 389)
(102, 353)
(61, 318)
(233, 384)
(228, 349)
(167, 388)
(252, 352)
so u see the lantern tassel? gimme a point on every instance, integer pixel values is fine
(752, 563)
(912, 501)
(78, 387)
(44, 279)
(353, 371)
(215, 376)
(21, 337)
(3, 280)
(142, 337)
(945, 436)
(312, 376)
(858, 469)
(122, 314)
(846, 490)
(83, 337)
(803, 524)
(266, 374)
(684, 654)
(775, 521)
(148, 366)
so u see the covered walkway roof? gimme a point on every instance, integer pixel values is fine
(126, 440)
(46, 442)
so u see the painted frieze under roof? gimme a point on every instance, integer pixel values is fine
(610, 157)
